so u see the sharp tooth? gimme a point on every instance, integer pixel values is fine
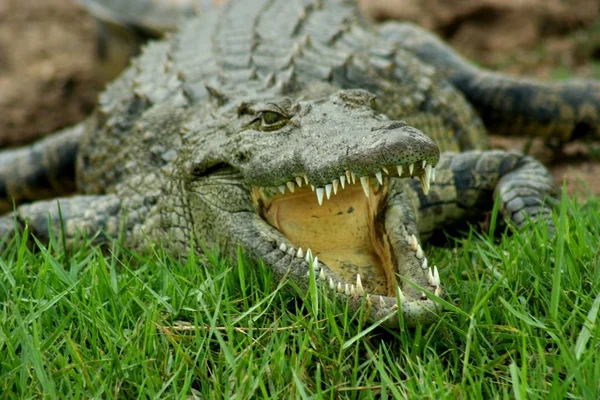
(308, 256)
(282, 247)
(426, 178)
(316, 265)
(379, 177)
(424, 184)
(353, 176)
(352, 290)
(430, 277)
(419, 252)
(282, 189)
(424, 263)
(340, 288)
(385, 170)
(432, 174)
(312, 187)
(300, 253)
(335, 186)
(423, 296)
(347, 289)
(411, 168)
(349, 176)
(328, 189)
(306, 179)
(359, 286)
(322, 275)
(399, 168)
(291, 251)
(331, 284)
(400, 295)
(438, 291)
(320, 192)
(436, 276)
(343, 181)
(299, 181)
(364, 181)
(424, 164)
(290, 185)
(412, 240)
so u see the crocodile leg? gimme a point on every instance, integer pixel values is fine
(466, 185)
(96, 217)
(43, 170)
(564, 110)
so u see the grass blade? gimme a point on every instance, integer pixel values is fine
(588, 327)
(561, 236)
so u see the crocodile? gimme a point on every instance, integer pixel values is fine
(323, 145)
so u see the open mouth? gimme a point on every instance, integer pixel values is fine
(340, 229)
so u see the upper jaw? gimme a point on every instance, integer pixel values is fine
(333, 157)
(421, 169)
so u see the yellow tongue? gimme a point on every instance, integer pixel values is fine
(342, 232)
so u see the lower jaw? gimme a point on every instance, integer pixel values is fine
(386, 309)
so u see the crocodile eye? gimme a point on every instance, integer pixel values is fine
(272, 120)
(270, 117)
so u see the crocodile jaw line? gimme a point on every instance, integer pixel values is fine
(342, 237)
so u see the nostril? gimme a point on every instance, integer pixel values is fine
(242, 157)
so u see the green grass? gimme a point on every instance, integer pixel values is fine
(521, 323)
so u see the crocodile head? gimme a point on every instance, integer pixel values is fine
(316, 186)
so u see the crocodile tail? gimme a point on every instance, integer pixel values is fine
(42, 170)
(561, 111)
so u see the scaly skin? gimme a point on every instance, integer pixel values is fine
(40, 171)
(201, 142)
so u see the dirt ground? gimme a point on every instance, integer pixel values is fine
(46, 68)
(542, 38)
(48, 79)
